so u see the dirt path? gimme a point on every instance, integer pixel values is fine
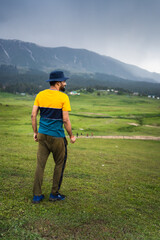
(124, 137)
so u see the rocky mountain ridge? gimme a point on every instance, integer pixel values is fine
(29, 55)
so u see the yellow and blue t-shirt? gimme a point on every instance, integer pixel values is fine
(51, 104)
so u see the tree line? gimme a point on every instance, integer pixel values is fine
(32, 81)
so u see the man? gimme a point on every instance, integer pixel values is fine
(54, 106)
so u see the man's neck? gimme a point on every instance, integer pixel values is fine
(54, 88)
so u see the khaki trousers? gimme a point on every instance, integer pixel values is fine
(58, 147)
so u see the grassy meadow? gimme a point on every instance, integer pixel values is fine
(112, 186)
(115, 115)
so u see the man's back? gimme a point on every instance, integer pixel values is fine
(51, 104)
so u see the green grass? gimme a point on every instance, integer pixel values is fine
(112, 115)
(112, 186)
(100, 115)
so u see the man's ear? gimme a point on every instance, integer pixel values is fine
(57, 85)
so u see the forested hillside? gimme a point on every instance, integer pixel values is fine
(32, 81)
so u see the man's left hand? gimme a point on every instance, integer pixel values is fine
(73, 139)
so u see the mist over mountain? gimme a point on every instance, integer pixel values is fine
(26, 55)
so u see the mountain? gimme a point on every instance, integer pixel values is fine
(26, 55)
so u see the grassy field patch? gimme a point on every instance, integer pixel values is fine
(112, 186)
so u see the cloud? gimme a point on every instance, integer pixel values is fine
(127, 30)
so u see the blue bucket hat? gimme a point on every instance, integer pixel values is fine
(56, 76)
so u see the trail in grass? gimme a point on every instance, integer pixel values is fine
(124, 137)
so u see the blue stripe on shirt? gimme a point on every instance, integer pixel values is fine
(51, 113)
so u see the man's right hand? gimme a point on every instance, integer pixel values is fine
(35, 137)
(73, 139)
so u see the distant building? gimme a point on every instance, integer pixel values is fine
(136, 93)
(153, 96)
(74, 93)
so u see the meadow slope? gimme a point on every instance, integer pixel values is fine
(112, 186)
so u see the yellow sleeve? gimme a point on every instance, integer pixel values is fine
(36, 102)
(66, 105)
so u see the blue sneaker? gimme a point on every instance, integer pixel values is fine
(56, 197)
(37, 199)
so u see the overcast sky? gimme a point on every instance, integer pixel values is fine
(128, 30)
